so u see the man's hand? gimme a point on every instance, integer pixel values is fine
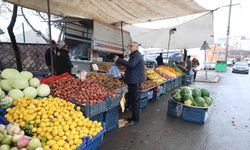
(125, 59)
(116, 57)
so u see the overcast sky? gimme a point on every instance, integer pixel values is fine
(240, 20)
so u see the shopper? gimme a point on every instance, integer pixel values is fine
(159, 60)
(134, 76)
(195, 65)
(189, 63)
(55, 51)
(63, 63)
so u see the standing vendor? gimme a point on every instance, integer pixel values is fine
(63, 63)
(134, 76)
(189, 63)
(55, 51)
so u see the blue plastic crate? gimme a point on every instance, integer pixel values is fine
(156, 96)
(168, 85)
(143, 95)
(162, 89)
(174, 109)
(187, 79)
(143, 103)
(194, 115)
(111, 118)
(3, 121)
(40, 75)
(98, 117)
(150, 94)
(94, 143)
(113, 102)
(2, 111)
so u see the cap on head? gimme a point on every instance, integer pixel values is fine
(53, 42)
(61, 45)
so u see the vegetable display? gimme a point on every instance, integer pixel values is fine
(13, 138)
(152, 75)
(193, 96)
(19, 84)
(53, 121)
(81, 91)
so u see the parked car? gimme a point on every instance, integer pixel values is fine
(240, 67)
(210, 65)
(229, 63)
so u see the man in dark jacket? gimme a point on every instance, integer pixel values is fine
(134, 76)
(55, 52)
(159, 60)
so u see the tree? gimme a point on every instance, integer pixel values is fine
(13, 38)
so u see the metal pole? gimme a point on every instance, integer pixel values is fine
(205, 51)
(23, 33)
(168, 45)
(228, 29)
(51, 48)
(122, 38)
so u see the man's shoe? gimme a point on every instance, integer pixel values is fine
(132, 123)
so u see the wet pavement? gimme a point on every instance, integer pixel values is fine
(227, 128)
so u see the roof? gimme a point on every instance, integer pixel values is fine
(113, 11)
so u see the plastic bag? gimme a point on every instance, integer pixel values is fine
(190, 72)
(115, 72)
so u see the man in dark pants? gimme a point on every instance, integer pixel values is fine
(134, 76)
(159, 60)
(55, 52)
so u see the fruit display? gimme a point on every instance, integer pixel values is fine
(169, 71)
(104, 67)
(54, 77)
(162, 73)
(105, 80)
(147, 84)
(122, 68)
(17, 84)
(193, 96)
(152, 75)
(178, 70)
(81, 91)
(53, 121)
(13, 138)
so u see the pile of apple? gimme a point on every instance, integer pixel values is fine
(81, 91)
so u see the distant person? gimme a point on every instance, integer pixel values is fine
(195, 65)
(159, 60)
(63, 63)
(189, 65)
(55, 52)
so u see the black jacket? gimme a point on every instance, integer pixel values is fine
(159, 60)
(47, 56)
(63, 63)
(135, 68)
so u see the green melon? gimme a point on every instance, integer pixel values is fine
(185, 91)
(208, 100)
(177, 97)
(196, 92)
(199, 101)
(205, 92)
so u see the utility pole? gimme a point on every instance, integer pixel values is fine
(24, 41)
(228, 29)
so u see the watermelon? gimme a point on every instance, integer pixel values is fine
(204, 92)
(185, 90)
(177, 97)
(208, 100)
(187, 97)
(175, 91)
(196, 92)
(199, 101)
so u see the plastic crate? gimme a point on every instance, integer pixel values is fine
(113, 102)
(3, 121)
(162, 89)
(2, 111)
(143, 103)
(174, 109)
(142, 95)
(40, 75)
(98, 117)
(194, 115)
(168, 85)
(156, 96)
(94, 143)
(92, 110)
(111, 118)
(179, 81)
(221, 66)
(187, 79)
(150, 94)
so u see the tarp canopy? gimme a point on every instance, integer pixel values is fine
(113, 11)
(191, 34)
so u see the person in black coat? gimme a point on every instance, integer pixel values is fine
(159, 60)
(55, 51)
(134, 76)
(63, 63)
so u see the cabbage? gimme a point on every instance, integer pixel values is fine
(43, 90)
(30, 92)
(5, 84)
(9, 73)
(20, 83)
(7, 140)
(15, 138)
(3, 129)
(5, 147)
(14, 148)
(13, 129)
(2, 94)
(33, 144)
(34, 82)
(26, 74)
(15, 94)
